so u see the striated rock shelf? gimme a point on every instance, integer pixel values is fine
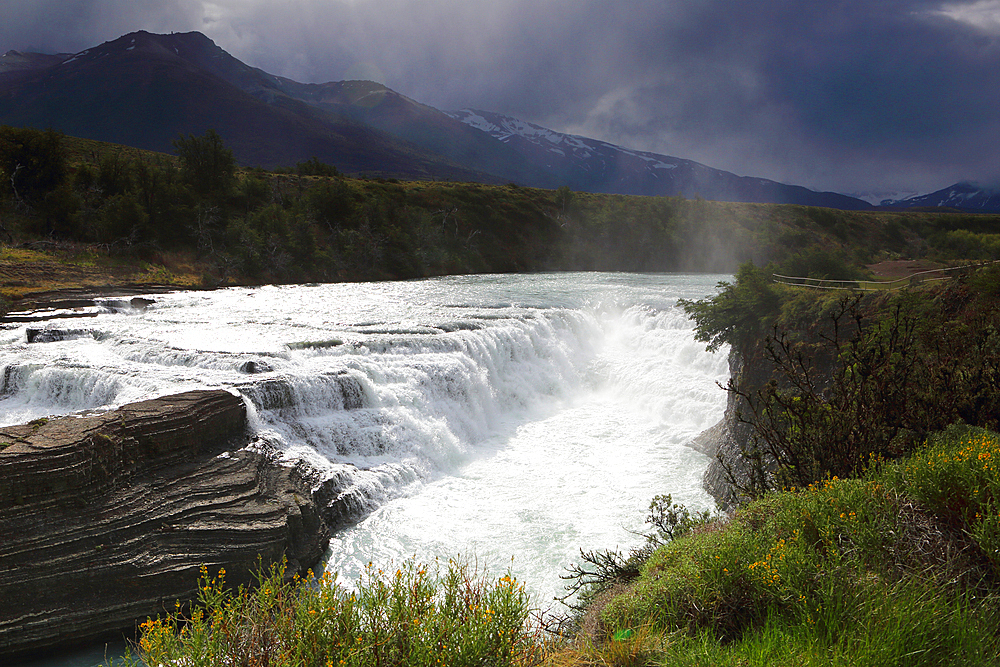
(106, 519)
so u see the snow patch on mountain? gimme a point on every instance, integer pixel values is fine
(883, 197)
(965, 196)
(507, 129)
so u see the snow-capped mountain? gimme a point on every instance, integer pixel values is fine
(963, 196)
(883, 197)
(597, 166)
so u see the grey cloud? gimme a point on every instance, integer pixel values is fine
(69, 26)
(843, 95)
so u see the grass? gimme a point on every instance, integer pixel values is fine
(897, 567)
(74, 265)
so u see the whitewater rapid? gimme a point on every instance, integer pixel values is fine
(511, 420)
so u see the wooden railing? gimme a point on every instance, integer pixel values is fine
(917, 278)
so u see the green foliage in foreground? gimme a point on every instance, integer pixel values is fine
(898, 567)
(410, 617)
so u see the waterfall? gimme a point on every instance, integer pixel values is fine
(498, 417)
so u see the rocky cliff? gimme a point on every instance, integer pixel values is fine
(106, 519)
(725, 443)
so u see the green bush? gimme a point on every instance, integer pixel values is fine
(958, 478)
(313, 167)
(870, 571)
(741, 312)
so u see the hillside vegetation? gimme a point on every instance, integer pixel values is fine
(830, 380)
(897, 566)
(96, 213)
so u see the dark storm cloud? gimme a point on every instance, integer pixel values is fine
(69, 26)
(847, 95)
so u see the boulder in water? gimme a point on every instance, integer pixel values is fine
(126, 306)
(253, 366)
(55, 335)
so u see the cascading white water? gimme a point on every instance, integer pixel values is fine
(496, 417)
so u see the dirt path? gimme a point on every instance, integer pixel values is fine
(900, 268)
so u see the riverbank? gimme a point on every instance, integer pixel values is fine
(108, 519)
(35, 275)
(895, 567)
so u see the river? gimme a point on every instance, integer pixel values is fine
(508, 419)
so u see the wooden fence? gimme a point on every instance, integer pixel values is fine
(917, 278)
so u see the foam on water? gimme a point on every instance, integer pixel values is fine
(489, 416)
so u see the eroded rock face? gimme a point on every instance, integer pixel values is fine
(724, 442)
(727, 441)
(105, 520)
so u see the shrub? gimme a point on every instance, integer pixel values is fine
(313, 167)
(741, 312)
(861, 571)
(410, 617)
(958, 478)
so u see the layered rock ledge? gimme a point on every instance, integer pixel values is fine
(107, 519)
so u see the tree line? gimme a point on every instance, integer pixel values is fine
(310, 222)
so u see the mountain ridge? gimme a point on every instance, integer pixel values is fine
(964, 196)
(598, 166)
(145, 90)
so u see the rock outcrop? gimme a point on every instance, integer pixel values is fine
(729, 441)
(726, 442)
(106, 519)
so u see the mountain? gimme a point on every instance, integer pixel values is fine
(964, 196)
(360, 103)
(145, 90)
(420, 125)
(597, 166)
(15, 61)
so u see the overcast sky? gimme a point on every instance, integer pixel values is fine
(842, 95)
